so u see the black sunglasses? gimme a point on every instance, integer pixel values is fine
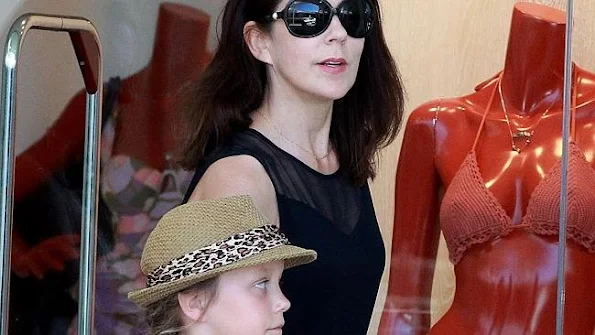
(309, 18)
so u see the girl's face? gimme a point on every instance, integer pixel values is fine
(249, 301)
(323, 67)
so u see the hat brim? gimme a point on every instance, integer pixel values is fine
(290, 254)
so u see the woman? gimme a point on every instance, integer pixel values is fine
(291, 111)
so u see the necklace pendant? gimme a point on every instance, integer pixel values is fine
(526, 134)
(521, 139)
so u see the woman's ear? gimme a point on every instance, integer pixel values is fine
(193, 305)
(258, 41)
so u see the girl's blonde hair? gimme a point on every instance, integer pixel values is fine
(163, 316)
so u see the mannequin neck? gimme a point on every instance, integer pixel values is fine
(533, 75)
(179, 48)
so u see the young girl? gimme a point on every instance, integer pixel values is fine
(292, 109)
(213, 267)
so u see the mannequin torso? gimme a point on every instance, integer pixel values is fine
(507, 284)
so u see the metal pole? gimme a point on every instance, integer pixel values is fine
(89, 221)
(11, 55)
(561, 292)
(16, 36)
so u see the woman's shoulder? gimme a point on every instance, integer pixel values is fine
(238, 175)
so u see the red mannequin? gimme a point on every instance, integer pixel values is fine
(146, 113)
(517, 270)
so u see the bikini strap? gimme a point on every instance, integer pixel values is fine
(487, 110)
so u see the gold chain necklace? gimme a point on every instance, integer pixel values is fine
(519, 134)
(309, 152)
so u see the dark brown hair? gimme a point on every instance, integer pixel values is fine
(366, 119)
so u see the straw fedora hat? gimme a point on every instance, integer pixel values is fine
(200, 240)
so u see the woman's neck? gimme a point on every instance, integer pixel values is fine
(297, 123)
(533, 75)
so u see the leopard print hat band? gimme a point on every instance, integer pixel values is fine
(230, 250)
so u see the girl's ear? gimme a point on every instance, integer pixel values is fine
(258, 41)
(193, 305)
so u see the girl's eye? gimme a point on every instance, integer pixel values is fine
(262, 284)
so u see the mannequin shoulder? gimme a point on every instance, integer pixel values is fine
(440, 111)
(585, 85)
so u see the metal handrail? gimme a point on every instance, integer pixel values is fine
(87, 47)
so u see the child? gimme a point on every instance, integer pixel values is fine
(213, 267)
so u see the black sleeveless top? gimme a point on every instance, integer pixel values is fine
(336, 293)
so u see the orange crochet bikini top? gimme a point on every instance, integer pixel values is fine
(471, 214)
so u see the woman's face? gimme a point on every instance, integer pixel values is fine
(323, 67)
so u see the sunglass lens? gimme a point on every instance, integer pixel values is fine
(356, 16)
(307, 18)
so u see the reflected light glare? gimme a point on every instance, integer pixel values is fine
(589, 155)
(558, 150)
(539, 167)
(587, 81)
(10, 60)
(540, 171)
(491, 182)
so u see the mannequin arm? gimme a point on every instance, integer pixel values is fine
(49, 255)
(416, 231)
